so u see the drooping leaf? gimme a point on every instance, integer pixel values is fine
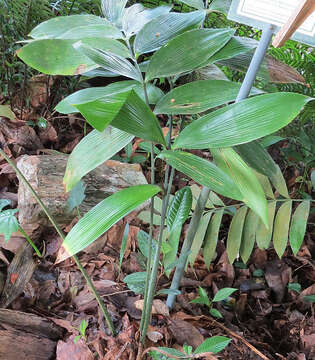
(109, 61)
(252, 193)
(123, 246)
(224, 293)
(265, 184)
(199, 237)
(281, 228)
(94, 93)
(170, 352)
(59, 57)
(215, 313)
(197, 4)
(76, 196)
(298, 225)
(213, 345)
(134, 115)
(136, 282)
(220, 6)
(5, 110)
(264, 235)
(242, 122)
(92, 151)
(249, 235)
(136, 16)
(8, 223)
(202, 171)
(160, 30)
(187, 52)
(211, 237)
(179, 208)
(102, 216)
(235, 234)
(75, 27)
(198, 96)
(113, 10)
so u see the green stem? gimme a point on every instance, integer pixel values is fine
(30, 241)
(61, 234)
(193, 226)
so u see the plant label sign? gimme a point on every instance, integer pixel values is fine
(259, 13)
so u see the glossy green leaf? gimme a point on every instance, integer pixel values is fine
(298, 225)
(136, 282)
(92, 151)
(8, 223)
(187, 52)
(249, 235)
(94, 93)
(76, 196)
(202, 299)
(159, 31)
(242, 122)
(143, 244)
(197, 4)
(179, 208)
(224, 293)
(199, 237)
(215, 313)
(198, 96)
(103, 216)
(136, 16)
(257, 158)
(75, 27)
(170, 352)
(4, 203)
(59, 57)
(295, 287)
(213, 345)
(134, 115)
(211, 237)
(113, 10)
(281, 228)
(264, 235)
(112, 62)
(202, 171)
(235, 234)
(235, 47)
(101, 112)
(252, 193)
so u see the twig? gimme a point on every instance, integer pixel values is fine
(232, 333)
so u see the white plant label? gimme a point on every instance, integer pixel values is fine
(258, 13)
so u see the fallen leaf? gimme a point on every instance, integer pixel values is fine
(185, 333)
(78, 350)
(158, 307)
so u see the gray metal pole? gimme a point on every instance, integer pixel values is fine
(257, 59)
(243, 93)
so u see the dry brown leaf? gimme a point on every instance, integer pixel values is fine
(158, 307)
(78, 350)
(154, 335)
(185, 333)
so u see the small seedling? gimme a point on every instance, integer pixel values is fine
(295, 287)
(221, 295)
(82, 329)
(9, 224)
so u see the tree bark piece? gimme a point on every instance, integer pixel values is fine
(46, 172)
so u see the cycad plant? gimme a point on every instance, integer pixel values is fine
(148, 46)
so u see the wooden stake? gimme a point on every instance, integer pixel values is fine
(300, 14)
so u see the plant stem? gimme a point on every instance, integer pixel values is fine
(61, 234)
(153, 278)
(193, 226)
(30, 241)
